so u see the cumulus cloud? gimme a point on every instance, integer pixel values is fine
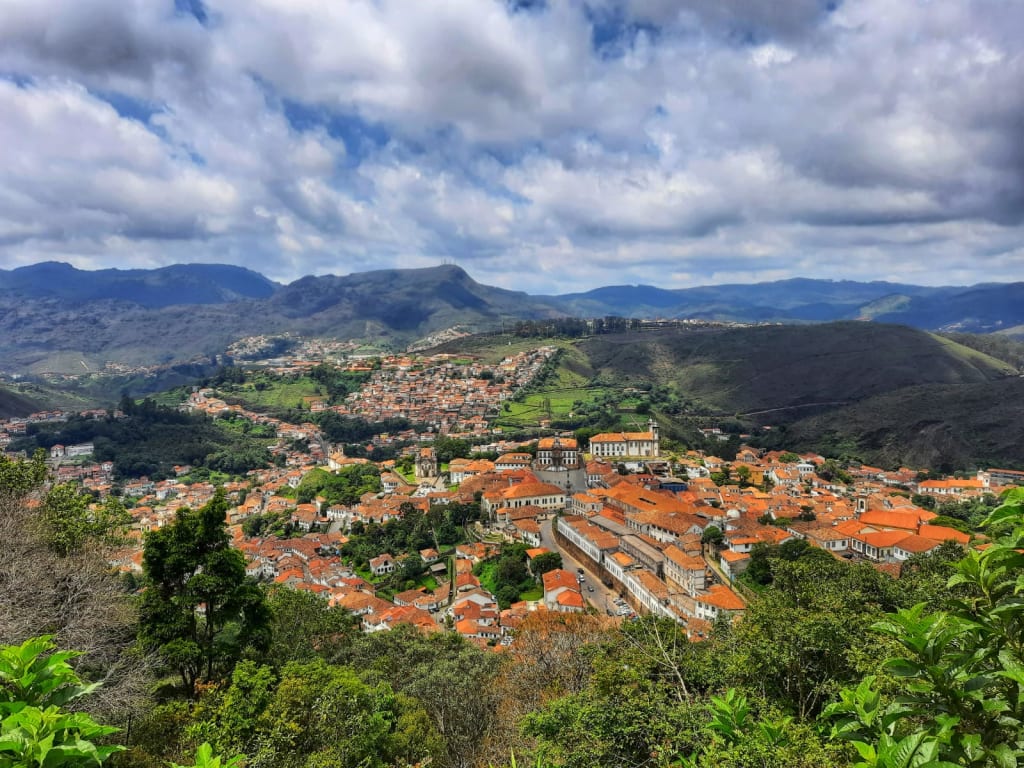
(687, 141)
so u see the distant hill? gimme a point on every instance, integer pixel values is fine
(797, 299)
(789, 371)
(981, 309)
(941, 427)
(15, 404)
(153, 288)
(977, 309)
(56, 332)
(400, 302)
(887, 394)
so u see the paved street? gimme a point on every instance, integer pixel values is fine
(601, 598)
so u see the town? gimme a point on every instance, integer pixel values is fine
(616, 525)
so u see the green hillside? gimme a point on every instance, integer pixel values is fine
(788, 369)
(940, 427)
(13, 403)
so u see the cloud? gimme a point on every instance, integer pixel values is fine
(640, 141)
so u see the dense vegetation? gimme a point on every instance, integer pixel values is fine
(151, 439)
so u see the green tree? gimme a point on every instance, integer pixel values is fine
(548, 561)
(199, 610)
(70, 520)
(303, 626)
(315, 714)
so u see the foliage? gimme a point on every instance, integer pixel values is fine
(314, 714)
(151, 439)
(510, 574)
(69, 523)
(206, 759)
(449, 677)
(55, 577)
(352, 429)
(807, 635)
(961, 668)
(548, 561)
(303, 626)
(345, 487)
(199, 609)
(413, 531)
(36, 683)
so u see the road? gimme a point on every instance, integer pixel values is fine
(601, 598)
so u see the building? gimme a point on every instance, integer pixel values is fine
(426, 464)
(627, 444)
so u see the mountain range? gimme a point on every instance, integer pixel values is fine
(54, 317)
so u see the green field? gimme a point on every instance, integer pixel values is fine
(549, 403)
(263, 393)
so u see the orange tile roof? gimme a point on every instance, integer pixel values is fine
(720, 596)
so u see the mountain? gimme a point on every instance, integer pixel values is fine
(13, 403)
(152, 288)
(65, 330)
(54, 317)
(400, 302)
(981, 309)
(985, 308)
(797, 299)
(887, 394)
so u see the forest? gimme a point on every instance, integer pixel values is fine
(150, 439)
(833, 663)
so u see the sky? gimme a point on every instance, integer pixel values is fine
(542, 146)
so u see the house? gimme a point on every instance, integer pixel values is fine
(527, 531)
(733, 563)
(685, 571)
(544, 495)
(560, 582)
(719, 599)
(383, 564)
(877, 545)
(913, 545)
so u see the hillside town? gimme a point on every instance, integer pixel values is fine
(637, 530)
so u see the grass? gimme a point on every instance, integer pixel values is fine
(487, 576)
(283, 393)
(428, 582)
(554, 402)
(532, 594)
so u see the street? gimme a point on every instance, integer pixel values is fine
(601, 598)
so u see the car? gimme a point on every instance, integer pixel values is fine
(589, 588)
(579, 570)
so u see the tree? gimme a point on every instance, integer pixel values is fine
(199, 610)
(304, 626)
(36, 684)
(712, 535)
(548, 561)
(316, 714)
